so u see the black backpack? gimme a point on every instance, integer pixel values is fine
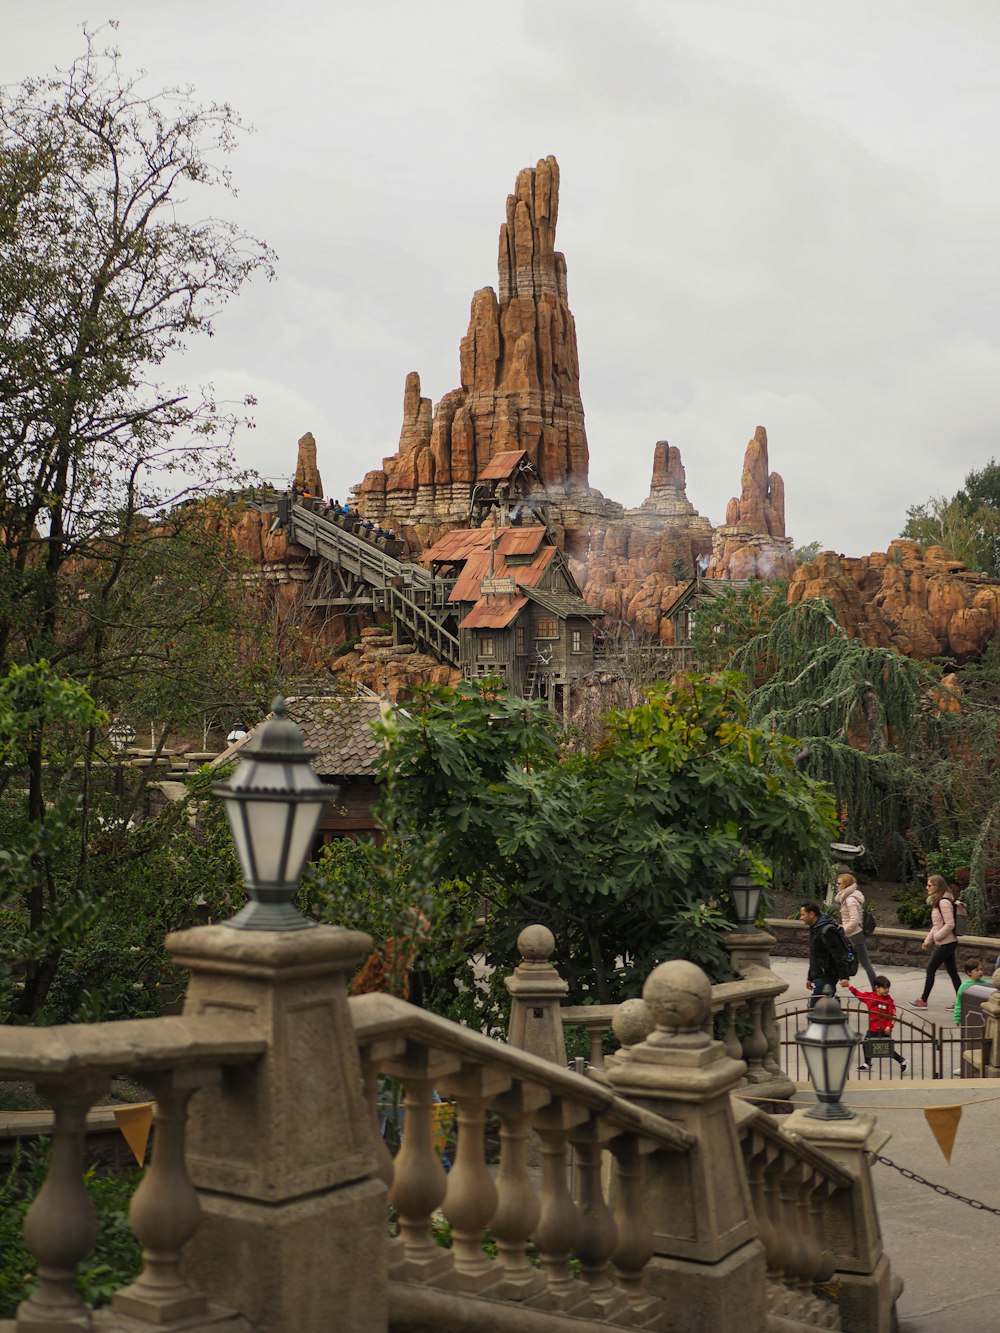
(954, 911)
(868, 922)
(851, 957)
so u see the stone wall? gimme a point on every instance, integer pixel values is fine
(887, 947)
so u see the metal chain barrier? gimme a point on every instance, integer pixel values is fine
(938, 1189)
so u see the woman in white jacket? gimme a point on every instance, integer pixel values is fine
(851, 902)
(944, 917)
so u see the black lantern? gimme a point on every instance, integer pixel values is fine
(273, 804)
(828, 1044)
(744, 896)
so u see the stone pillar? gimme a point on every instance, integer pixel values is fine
(537, 990)
(750, 955)
(293, 1229)
(868, 1288)
(708, 1261)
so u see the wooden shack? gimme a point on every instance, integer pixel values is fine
(520, 612)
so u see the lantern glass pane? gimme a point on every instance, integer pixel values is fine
(234, 813)
(838, 1058)
(267, 821)
(306, 817)
(816, 1064)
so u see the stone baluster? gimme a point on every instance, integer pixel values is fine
(372, 1059)
(634, 1245)
(793, 1243)
(868, 1289)
(518, 1205)
(731, 1038)
(755, 1045)
(536, 991)
(419, 1182)
(810, 1251)
(597, 1234)
(557, 1233)
(758, 1152)
(471, 1198)
(165, 1209)
(61, 1226)
(707, 1257)
(769, 1022)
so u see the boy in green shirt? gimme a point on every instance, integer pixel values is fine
(974, 970)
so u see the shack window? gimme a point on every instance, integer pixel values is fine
(520, 645)
(487, 645)
(576, 642)
(546, 627)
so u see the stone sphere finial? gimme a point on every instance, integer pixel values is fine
(632, 1022)
(536, 944)
(679, 996)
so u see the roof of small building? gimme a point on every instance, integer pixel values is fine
(337, 729)
(477, 568)
(461, 543)
(701, 590)
(503, 464)
(563, 603)
(493, 612)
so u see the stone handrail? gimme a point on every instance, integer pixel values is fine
(749, 1027)
(73, 1066)
(569, 1114)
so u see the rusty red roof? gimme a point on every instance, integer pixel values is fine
(477, 567)
(502, 465)
(521, 541)
(459, 544)
(493, 612)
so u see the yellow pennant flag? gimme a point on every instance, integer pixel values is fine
(943, 1121)
(134, 1123)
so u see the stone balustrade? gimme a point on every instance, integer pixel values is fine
(73, 1065)
(656, 1199)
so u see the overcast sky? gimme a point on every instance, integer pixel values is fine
(773, 213)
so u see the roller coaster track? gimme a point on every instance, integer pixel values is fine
(416, 601)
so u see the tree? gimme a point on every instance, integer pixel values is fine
(724, 623)
(106, 270)
(625, 850)
(967, 525)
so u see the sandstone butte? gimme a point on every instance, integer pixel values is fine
(520, 389)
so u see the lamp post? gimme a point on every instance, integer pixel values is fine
(273, 803)
(828, 1044)
(745, 898)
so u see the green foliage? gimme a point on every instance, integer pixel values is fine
(115, 1260)
(624, 851)
(869, 724)
(967, 525)
(725, 623)
(808, 552)
(912, 911)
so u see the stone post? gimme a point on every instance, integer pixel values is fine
(750, 955)
(707, 1260)
(537, 990)
(293, 1229)
(868, 1288)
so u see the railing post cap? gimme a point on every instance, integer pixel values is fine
(679, 996)
(536, 944)
(632, 1022)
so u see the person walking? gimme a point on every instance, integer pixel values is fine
(851, 902)
(881, 1020)
(944, 916)
(827, 954)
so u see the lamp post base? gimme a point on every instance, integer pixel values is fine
(256, 915)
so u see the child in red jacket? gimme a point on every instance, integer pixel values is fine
(881, 1019)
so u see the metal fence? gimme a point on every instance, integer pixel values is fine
(929, 1049)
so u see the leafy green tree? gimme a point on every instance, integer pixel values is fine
(967, 525)
(107, 268)
(724, 623)
(624, 851)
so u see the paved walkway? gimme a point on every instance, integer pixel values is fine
(944, 1250)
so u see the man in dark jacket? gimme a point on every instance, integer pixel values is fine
(827, 952)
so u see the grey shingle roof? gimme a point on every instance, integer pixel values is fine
(338, 729)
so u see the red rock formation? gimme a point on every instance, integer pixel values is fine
(520, 375)
(922, 603)
(307, 476)
(752, 543)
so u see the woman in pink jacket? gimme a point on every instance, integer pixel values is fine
(941, 935)
(851, 902)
